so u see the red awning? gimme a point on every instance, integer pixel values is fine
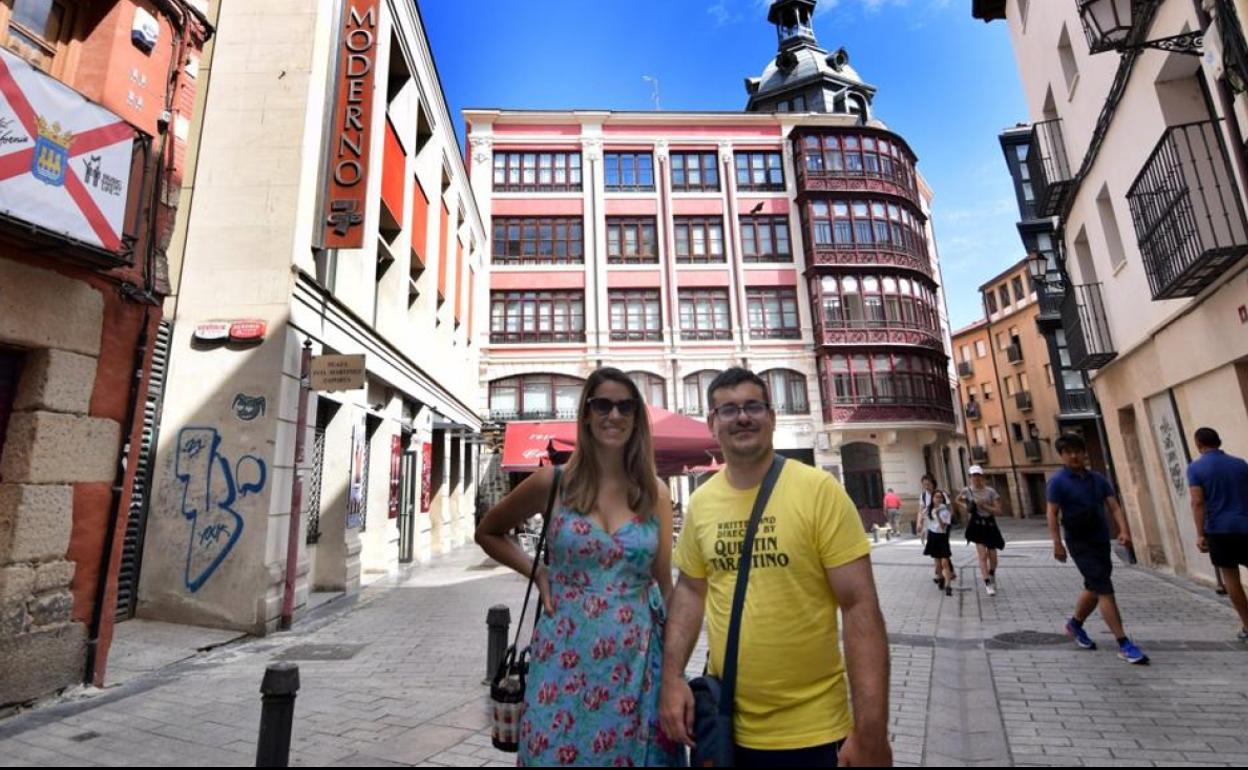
(679, 441)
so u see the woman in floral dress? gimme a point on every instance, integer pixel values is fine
(593, 684)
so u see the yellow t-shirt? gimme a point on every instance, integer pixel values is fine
(791, 690)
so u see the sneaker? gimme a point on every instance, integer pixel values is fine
(991, 589)
(948, 590)
(1243, 635)
(1075, 630)
(1132, 654)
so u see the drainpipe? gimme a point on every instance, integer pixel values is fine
(1009, 441)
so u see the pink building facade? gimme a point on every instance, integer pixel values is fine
(793, 238)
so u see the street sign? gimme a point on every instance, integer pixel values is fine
(334, 372)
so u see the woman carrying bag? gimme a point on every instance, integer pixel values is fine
(590, 692)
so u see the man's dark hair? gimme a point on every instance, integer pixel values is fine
(1209, 437)
(1071, 441)
(731, 378)
(928, 477)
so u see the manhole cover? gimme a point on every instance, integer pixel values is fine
(320, 652)
(1030, 638)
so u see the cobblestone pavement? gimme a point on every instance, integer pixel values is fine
(394, 677)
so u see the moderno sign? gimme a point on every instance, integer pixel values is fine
(347, 175)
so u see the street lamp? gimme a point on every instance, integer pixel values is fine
(1038, 266)
(1109, 25)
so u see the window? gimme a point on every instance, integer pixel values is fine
(1004, 292)
(765, 239)
(695, 172)
(887, 378)
(535, 397)
(695, 391)
(699, 239)
(857, 155)
(1018, 431)
(653, 388)
(704, 314)
(980, 437)
(987, 389)
(1048, 374)
(1066, 53)
(981, 349)
(537, 172)
(773, 314)
(990, 300)
(760, 171)
(631, 240)
(36, 29)
(965, 351)
(866, 224)
(788, 391)
(1009, 386)
(1109, 225)
(995, 432)
(1019, 294)
(635, 315)
(538, 240)
(537, 316)
(628, 171)
(1023, 385)
(970, 393)
(878, 301)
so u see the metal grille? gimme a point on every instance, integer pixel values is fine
(1087, 329)
(140, 500)
(368, 461)
(314, 480)
(1049, 167)
(1187, 215)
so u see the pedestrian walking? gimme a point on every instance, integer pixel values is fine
(892, 505)
(810, 559)
(936, 540)
(592, 687)
(981, 505)
(919, 525)
(1219, 487)
(1080, 496)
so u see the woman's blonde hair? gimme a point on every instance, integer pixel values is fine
(582, 473)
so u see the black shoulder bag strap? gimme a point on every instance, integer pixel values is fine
(537, 556)
(728, 678)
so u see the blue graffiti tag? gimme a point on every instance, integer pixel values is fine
(210, 487)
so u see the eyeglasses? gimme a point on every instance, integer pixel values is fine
(603, 406)
(754, 409)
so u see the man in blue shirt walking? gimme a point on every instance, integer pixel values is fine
(1219, 486)
(1080, 497)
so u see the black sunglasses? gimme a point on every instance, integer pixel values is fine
(603, 406)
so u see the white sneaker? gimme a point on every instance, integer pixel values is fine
(991, 589)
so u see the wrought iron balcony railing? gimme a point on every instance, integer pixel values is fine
(1033, 450)
(979, 454)
(973, 411)
(1049, 167)
(965, 369)
(1014, 353)
(1087, 328)
(1189, 219)
(1075, 402)
(1023, 400)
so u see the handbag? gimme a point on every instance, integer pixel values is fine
(714, 697)
(507, 687)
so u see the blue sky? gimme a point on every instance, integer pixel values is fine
(947, 83)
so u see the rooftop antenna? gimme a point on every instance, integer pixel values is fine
(654, 95)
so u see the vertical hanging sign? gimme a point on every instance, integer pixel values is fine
(396, 474)
(347, 177)
(426, 477)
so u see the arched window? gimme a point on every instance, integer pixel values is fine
(695, 391)
(535, 397)
(788, 391)
(653, 388)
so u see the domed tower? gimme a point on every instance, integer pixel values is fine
(875, 298)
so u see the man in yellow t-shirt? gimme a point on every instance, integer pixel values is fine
(811, 558)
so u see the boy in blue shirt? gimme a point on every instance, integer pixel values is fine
(1219, 487)
(1080, 496)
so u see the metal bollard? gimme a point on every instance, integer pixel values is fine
(281, 683)
(498, 619)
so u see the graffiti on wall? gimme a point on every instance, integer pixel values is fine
(248, 408)
(212, 487)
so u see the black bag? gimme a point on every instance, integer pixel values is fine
(507, 687)
(714, 697)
